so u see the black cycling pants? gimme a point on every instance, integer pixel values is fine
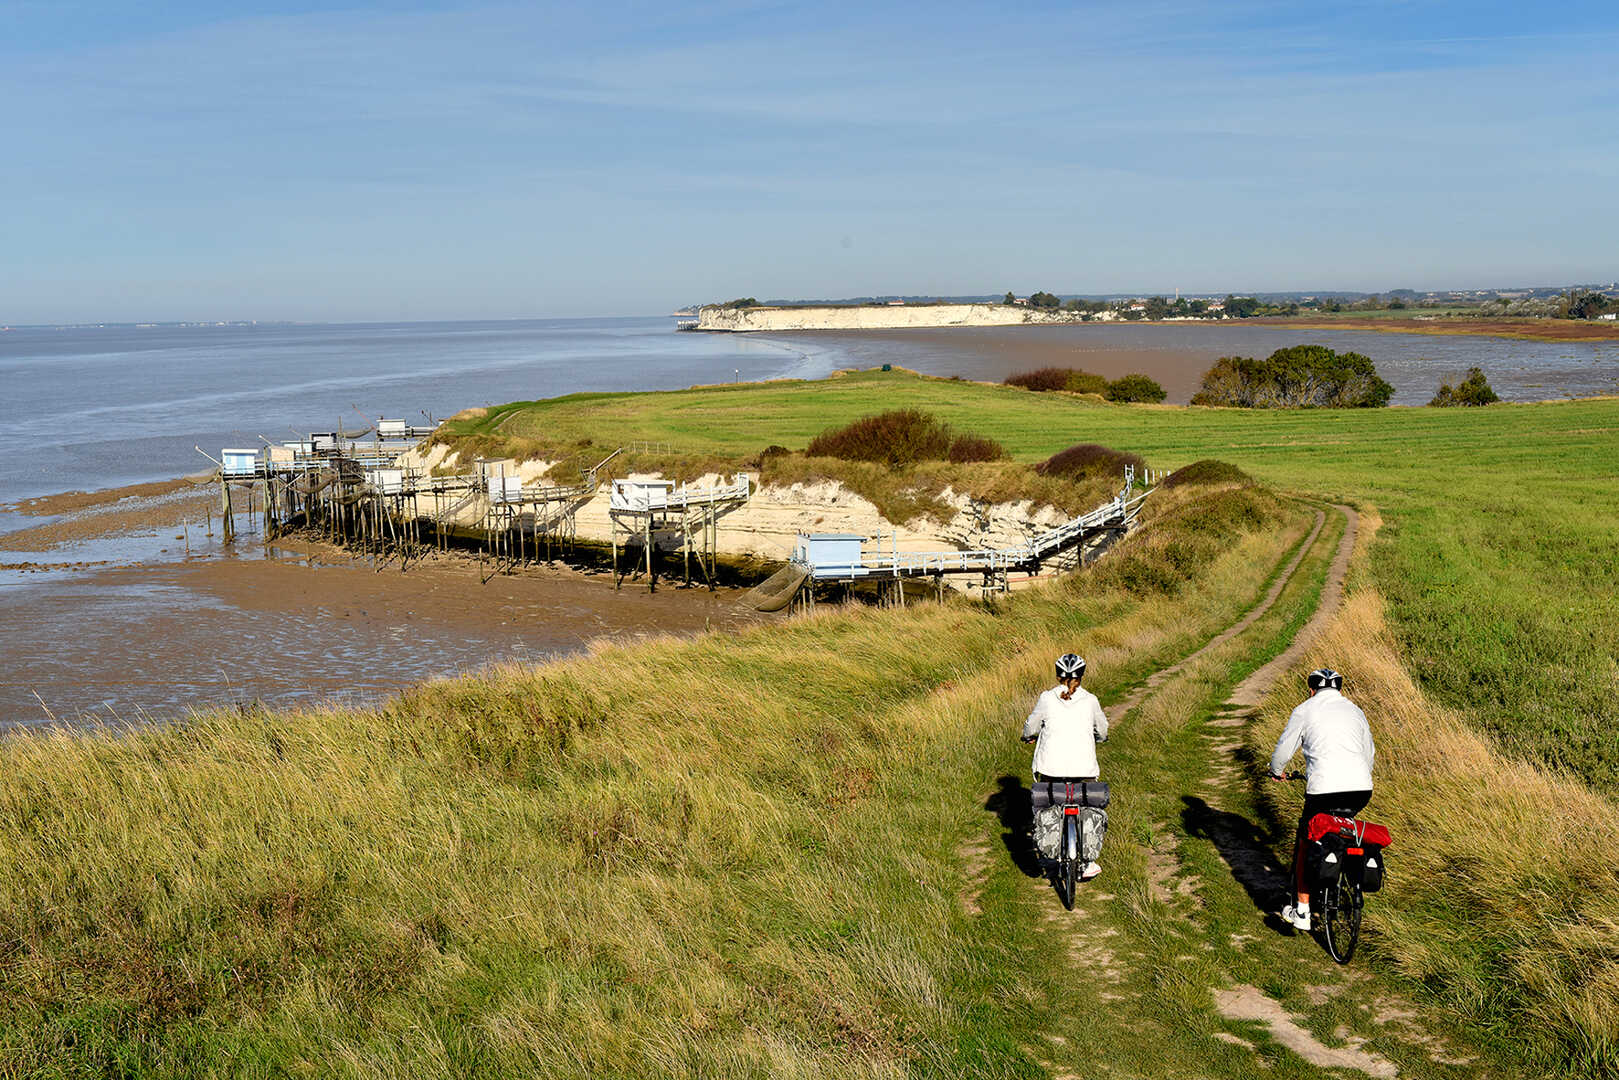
(1342, 803)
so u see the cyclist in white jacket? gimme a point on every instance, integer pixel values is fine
(1068, 722)
(1338, 753)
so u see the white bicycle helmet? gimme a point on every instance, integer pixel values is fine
(1070, 666)
(1324, 679)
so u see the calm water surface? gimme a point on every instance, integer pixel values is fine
(90, 408)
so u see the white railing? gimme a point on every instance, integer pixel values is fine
(1119, 513)
(641, 497)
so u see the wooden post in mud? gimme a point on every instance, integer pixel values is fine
(713, 538)
(226, 525)
(651, 582)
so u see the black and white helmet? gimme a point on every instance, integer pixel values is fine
(1324, 679)
(1070, 666)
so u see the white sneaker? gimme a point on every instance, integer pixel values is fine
(1089, 870)
(1296, 918)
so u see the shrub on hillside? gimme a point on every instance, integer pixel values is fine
(1301, 376)
(898, 437)
(1135, 388)
(965, 448)
(1072, 380)
(1473, 390)
(1207, 471)
(1089, 459)
(1169, 553)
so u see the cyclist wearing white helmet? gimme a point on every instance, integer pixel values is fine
(1338, 753)
(1068, 722)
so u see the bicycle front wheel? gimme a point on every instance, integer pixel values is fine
(1340, 918)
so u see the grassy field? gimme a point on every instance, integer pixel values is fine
(805, 862)
(1499, 560)
(569, 871)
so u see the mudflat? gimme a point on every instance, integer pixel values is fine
(139, 632)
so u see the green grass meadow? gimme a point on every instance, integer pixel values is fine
(795, 851)
(570, 870)
(1500, 556)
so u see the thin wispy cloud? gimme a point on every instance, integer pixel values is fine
(445, 160)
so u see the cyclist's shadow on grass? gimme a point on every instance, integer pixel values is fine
(1246, 849)
(1010, 803)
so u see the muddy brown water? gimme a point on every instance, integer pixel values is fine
(148, 634)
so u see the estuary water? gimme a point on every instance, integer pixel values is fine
(160, 616)
(97, 407)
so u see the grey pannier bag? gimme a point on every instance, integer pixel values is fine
(1048, 832)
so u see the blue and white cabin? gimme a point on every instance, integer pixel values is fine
(386, 481)
(831, 555)
(239, 461)
(641, 495)
(505, 489)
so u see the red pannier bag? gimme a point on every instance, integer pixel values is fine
(1363, 832)
(1355, 847)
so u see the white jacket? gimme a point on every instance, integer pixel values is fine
(1337, 744)
(1068, 732)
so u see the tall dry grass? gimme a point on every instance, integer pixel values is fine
(1502, 895)
(729, 856)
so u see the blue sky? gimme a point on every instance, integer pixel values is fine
(434, 160)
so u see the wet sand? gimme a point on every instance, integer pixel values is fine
(116, 614)
(69, 501)
(303, 624)
(149, 508)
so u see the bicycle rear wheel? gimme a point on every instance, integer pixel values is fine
(1341, 904)
(1069, 867)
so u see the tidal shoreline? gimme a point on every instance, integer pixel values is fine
(110, 616)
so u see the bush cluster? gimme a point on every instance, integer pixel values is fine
(965, 448)
(1135, 388)
(1298, 377)
(1207, 471)
(1058, 378)
(1089, 459)
(1164, 559)
(902, 437)
(1075, 381)
(1473, 390)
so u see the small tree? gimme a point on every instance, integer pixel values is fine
(1157, 307)
(1009, 298)
(1302, 376)
(1128, 388)
(1473, 390)
(1588, 305)
(1044, 300)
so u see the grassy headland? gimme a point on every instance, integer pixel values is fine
(731, 856)
(747, 855)
(1499, 559)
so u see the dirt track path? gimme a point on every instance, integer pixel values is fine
(1253, 689)
(1253, 615)
(1180, 959)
